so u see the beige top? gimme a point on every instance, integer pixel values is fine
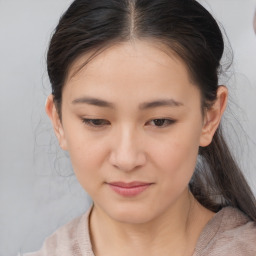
(228, 233)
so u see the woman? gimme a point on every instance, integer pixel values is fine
(136, 103)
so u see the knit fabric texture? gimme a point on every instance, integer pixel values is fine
(229, 232)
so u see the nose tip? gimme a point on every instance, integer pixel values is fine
(127, 156)
(127, 162)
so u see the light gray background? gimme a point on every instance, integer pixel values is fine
(37, 192)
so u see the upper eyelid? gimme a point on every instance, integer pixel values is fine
(163, 118)
(152, 119)
(166, 119)
(90, 120)
(106, 122)
(93, 119)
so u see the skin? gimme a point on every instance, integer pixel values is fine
(128, 145)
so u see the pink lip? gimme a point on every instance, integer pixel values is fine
(129, 189)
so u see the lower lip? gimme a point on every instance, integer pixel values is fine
(129, 191)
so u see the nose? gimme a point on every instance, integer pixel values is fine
(127, 152)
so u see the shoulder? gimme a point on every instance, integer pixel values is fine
(230, 232)
(70, 239)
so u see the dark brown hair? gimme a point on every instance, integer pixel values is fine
(189, 31)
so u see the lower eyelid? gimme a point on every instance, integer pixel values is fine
(104, 122)
(89, 122)
(167, 120)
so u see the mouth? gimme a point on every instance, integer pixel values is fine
(129, 189)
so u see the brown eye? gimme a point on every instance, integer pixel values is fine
(161, 122)
(96, 122)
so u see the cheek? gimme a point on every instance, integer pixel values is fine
(87, 161)
(177, 155)
(86, 153)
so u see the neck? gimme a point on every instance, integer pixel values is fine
(174, 232)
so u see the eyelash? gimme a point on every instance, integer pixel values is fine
(164, 121)
(98, 123)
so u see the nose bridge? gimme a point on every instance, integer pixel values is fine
(127, 152)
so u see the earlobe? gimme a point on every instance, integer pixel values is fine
(52, 113)
(213, 116)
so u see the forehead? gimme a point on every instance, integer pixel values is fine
(140, 53)
(130, 69)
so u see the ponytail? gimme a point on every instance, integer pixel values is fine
(219, 182)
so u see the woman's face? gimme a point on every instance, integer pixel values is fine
(132, 124)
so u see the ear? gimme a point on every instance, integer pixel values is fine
(212, 116)
(52, 112)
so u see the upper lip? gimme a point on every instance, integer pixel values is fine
(129, 184)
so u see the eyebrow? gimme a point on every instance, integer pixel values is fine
(93, 101)
(142, 106)
(160, 103)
